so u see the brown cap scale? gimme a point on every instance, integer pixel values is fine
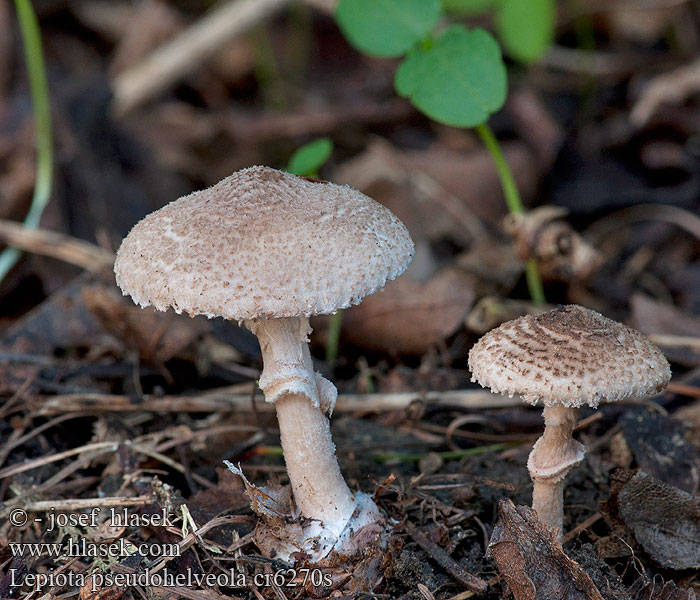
(271, 249)
(566, 358)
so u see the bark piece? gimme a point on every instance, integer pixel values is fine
(532, 561)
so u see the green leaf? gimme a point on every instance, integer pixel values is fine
(526, 27)
(468, 7)
(387, 28)
(308, 159)
(459, 81)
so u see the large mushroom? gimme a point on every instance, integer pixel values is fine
(271, 249)
(566, 358)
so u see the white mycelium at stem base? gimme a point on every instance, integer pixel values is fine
(552, 456)
(302, 398)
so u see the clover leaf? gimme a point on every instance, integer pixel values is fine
(526, 27)
(308, 159)
(387, 28)
(460, 80)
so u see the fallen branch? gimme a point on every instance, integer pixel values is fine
(223, 401)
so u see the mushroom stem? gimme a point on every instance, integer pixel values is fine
(552, 456)
(302, 398)
(320, 492)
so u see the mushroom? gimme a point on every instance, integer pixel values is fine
(270, 249)
(565, 358)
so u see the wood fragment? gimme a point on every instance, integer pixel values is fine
(183, 54)
(221, 401)
(672, 87)
(75, 504)
(582, 526)
(56, 245)
(675, 341)
(194, 536)
(100, 447)
(425, 592)
(683, 389)
(457, 571)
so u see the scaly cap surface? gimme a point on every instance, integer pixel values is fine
(570, 355)
(263, 244)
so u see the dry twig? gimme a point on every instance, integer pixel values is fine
(56, 245)
(76, 504)
(224, 401)
(184, 53)
(446, 561)
(673, 87)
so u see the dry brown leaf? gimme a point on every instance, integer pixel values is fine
(532, 561)
(494, 265)
(423, 204)
(229, 491)
(660, 448)
(61, 321)
(536, 125)
(662, 519)
(158, 335)
(408, 317)
(472, 177)
(691, 415)
(651, 316)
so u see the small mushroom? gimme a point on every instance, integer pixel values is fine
(271, 249)
(565, 358)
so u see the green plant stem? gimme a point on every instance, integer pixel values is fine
(447, 455)
(514, 203)
(31, 38)
(267, 69)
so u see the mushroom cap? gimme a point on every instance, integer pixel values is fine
(262, 243)
(570, 355)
